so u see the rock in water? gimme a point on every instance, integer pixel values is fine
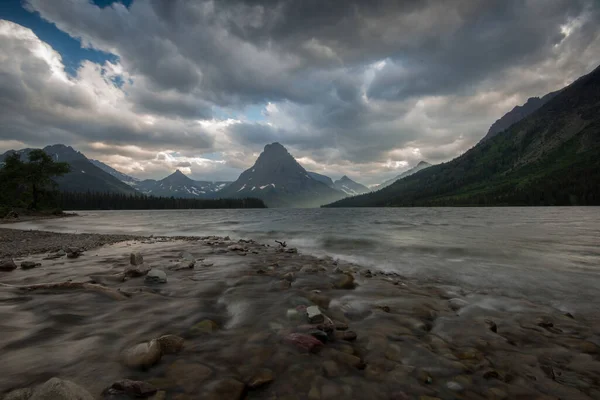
(456, 304)
(228, 388)
(156, 276)
(29, 264)
(261, 378)
(73, 252)
(314, 315)
(345, 282)
(129, 388)
(304, 342)
(136, 258)
(187, 256)
(205, 326)
(19, 394)
(134, 271)
(7, 265)
(57, 389)
(142, 355)
(170, 344)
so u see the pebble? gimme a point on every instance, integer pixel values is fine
(7, 265)
(304, 342)
(319, 334)
(189, 376)
(205, 326)
(156, 276)
(73, 252)
(136, 258)
(497, 394)
(29, 264)
(320, 300)
(236, 247)
(456, 304)
(170, 344)
(130, 388)
(261, 378)
(225, 389)
(331, 369)
(345, 282)
(142, 355)
(314, 315)
(345, 335)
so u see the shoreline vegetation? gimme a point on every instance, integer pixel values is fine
(118, 317)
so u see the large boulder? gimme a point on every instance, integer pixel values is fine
(142, 355)
(58, 389)
(156, 276)
(136, 258)
(7, 264)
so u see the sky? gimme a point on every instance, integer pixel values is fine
(364, 88)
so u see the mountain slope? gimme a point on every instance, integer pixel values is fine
(130, 180)
(551, 157)
(321, 178)
(84, 175)
(350, 187)
(421, 165)
(179, 185)
(280, 181)
(518, 113)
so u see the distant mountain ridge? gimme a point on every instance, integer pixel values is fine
(278, 179)
(420, 166)
(84, 175)
(550, 157)
(350, 187)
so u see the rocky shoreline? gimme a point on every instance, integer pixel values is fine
(121, 317)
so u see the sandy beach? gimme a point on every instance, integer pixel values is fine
(119, 317)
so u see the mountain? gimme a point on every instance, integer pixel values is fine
(350, 187)
(551, 157)
(278, 179)
(518, 113)
(321, 178)
(84, 175)
(179, 185)
(130, 180)
(421, 165)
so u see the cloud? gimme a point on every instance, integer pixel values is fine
(355, 87)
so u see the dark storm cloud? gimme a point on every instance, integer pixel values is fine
(348, 82)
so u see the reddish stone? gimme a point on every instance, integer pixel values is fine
(304, 342)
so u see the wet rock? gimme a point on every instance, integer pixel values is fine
(261, 378)
(136, 258)
(456, 304)
(143, 355)
(58, 389)
(340, 326)
(303, 342)
(130, 388)
(7, 265)
(496, 394)
(345, 282)
(290, 277)
(29, 265)
(315, 315)
(170, 344)
(187, 256)
(384, 308)
(330, 369)
(205, 326)
(319, 334)
(424, 377)
(345, 335)
(134, 271)
(236, 247)
(347, 359)
(155, 276)
(367, 274)
(190, 376)
(320, 300)
(292, 250)
(309, 269)
(331, 391)
(183, 265)
(544, 322)
(73, 252)
(491, 325)
(225, 389)
(491, 374)
(293, 315)
(279, 285)
(455, 386)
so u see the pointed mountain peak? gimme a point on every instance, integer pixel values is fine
(178, 173)
(345, 178)
(275, 147)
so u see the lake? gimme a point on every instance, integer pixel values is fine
(548, 254)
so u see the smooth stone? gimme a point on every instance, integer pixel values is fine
(136, 258)
(496, 394)
(142, 355)
(225, 389)
(293, 315)
(491, 325)
(347, 359)
(304, 342)
(7, 265)
(187, 256)
(289, 277)
(309, 269)
(340, 326)
(130, 388)
(58, 389)
(456, 304)
(170, 344)
(320, 300)
(455, 386)
(331, 391)
(345, 282)
(345, 335)
(29, 264)
(134, 271)
(189, 376)
(261, 378)
(236, 247)
(331, 369)
(19, 394)
(156, 276)
(205, 326)
(319, 334)
(73, 252)
(314, 315)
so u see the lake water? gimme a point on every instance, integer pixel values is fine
(550, 255)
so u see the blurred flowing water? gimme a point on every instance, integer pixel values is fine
(550, 255)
